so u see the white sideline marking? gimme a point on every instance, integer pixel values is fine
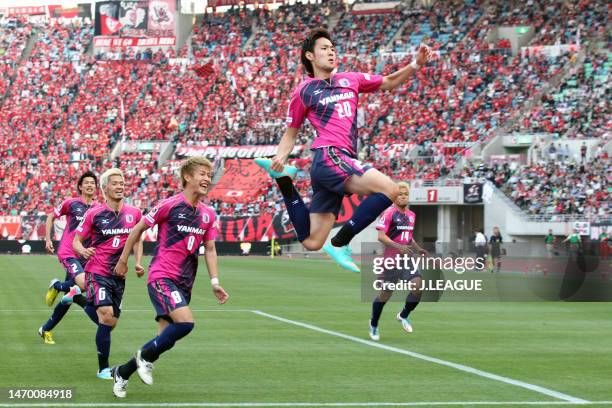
(485, 374)
(304, 404)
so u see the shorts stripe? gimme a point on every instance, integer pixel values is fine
(338, 162)
(160, 297)
(168, 295)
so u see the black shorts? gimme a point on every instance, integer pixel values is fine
(167, 296)
(105, 291)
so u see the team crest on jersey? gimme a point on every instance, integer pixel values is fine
(205, 218)
(366, 76)
(129, 218)
(411, 219)
(344, 82)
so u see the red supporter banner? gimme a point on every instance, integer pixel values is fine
(133, 42)
(252, 229)
(81, 10)
(237, 152)
(25, 11)
(10, 226)
(242, 181)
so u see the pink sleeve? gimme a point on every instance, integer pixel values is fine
(384, 221)
(211, 234)
(296, 113)
(62, 209)
(157, 214)
(369, 82)
(84, 228)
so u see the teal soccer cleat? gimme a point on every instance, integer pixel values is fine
(289, 171)
(342, 255)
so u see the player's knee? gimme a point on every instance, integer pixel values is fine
(384, 296)
(106, 316)
(312, 245)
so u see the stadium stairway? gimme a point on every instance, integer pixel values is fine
(24, 57)
(501, 211)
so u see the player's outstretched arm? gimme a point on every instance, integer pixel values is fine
(134, 237)
(400, 76)
(48, 230)
(388, 242)
(210, 255)
(286, 145)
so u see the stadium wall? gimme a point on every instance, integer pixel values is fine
(38, 247)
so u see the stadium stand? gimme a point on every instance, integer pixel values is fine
(72, 102)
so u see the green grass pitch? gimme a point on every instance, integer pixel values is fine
(240, 357)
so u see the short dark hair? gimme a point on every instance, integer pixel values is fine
(308, 46)
(83, 177)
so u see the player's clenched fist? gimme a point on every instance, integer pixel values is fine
(424, 55)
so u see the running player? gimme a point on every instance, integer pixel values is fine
(329, 101)
(395, 231)
(74, 209)
(107, 226)
(184, 224)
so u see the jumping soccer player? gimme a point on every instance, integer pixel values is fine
(329, 100)
(107, 226)
(395, 230)
(184, 224)
(74, 209)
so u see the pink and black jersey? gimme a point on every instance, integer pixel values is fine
(74, 209)
(182, 228)
(331, 106)
(108, 231)
(398, 226)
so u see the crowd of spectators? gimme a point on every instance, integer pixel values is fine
(580, 107)
(79, 106)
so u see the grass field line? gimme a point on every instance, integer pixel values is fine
(306, 404)
(461, 367)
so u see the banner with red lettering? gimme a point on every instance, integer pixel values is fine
(120, 42)
(25, 11)
(234, 152)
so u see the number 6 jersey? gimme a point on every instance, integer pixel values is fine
(108, 231)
